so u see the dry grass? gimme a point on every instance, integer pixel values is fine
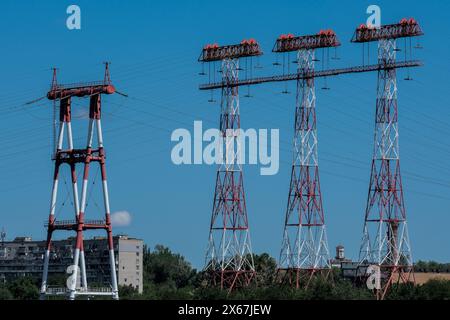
(422, 277)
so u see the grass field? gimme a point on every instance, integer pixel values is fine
(422, 277)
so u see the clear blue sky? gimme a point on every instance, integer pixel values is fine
(154, 46)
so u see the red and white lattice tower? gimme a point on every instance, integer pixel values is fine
(304, 251)
(385, 240)
(71, 156)
(229, 260)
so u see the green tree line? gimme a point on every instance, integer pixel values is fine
(168, 275)
(431, 266)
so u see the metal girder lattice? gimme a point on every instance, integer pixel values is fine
(406, 28)
(81, 89)
(385, 240)
(304, 249)
(321, 40)
(247, 48)
(229, 259)
(313, 74)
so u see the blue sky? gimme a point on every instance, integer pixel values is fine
(153, 47)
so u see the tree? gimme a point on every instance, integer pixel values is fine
(167, 269)
(434, 289)
(24, 289)
(127, 292)
(5, 294)
(266, 269)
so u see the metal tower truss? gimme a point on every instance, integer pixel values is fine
(324, 39)
(385, 241)
(404, 29)
(313, 74)
(71, 157)
(229, 259)
(304, 251)
(247, 48)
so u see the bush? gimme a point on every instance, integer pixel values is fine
(5, 294)
(24, 289)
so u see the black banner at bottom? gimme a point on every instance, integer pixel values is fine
(213, 309)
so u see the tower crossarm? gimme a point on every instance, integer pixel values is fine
(214, 52)
(77, 156)
(80, 90)
(405, 28)
(324, 39)
(313, 74)
(73, 225)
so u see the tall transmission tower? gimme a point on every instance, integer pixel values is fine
(305, 254)
(71, 157)
(229, 260)
(304, 251)
(385, 241)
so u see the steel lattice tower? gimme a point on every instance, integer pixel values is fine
(304, 251)
(86, 157)
(229, 259)
(304, 248)
(385, 241)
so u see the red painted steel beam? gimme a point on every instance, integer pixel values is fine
(77, 156)
(213, 52)
(405, 28)
(324, 39)
(80, 90)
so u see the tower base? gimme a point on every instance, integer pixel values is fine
(301, 278)
(393, 275)
(229, 279)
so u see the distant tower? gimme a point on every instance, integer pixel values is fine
(229, 260)
(304, 251)
(3, 236)
(340, 253)
(385, 240)
(71, 156)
